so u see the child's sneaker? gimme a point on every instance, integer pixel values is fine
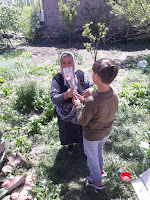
(89, 181)
(104, 173)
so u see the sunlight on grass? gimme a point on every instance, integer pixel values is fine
(60, 176)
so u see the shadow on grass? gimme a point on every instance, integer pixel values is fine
(8, 54)
(71, 172)
(120, 46)
(68, 167)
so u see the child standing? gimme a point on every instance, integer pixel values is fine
(96, 116)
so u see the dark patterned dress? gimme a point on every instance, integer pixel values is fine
(69, 130)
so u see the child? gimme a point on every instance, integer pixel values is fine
(62, 91)
(96, 117)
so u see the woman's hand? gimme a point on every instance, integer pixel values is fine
(86, 93)
(69, 93)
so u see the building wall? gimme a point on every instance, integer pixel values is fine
(52, 15)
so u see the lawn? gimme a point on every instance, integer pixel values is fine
(29, 123)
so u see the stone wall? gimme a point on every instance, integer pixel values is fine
(52, 16)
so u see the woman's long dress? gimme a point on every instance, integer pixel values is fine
(69, 132)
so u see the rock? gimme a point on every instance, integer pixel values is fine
(16, 159)
(29, 182)
(13, 183)
(2, 155)
(6, 179)
(6, 169)
(23, 195)
(2, 145)
(1, 133)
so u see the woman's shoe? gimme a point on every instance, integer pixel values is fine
(70, 149)
(90, 181)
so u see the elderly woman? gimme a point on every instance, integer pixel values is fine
(63, 87)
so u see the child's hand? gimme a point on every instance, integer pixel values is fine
(75, 100)
(81, 98)
(86, 93)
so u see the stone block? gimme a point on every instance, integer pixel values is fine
(23, 195)
(2, 155)
(7, 169)
(13, 183)
(2, 145)
(16, 159)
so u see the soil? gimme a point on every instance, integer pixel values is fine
(46, 53)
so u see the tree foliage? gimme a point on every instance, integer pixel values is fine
(10, 20)
(31, 23)
(133, 13)
(10, 17)
(68, 12)
(94, 37)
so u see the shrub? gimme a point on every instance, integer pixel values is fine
(68, 12)
(26, 95)
(31, 23)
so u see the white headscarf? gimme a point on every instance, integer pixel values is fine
(67, 111)
(64, 54)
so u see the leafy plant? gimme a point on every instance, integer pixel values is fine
(68, 12)
(34, 126)
(26, 95)
(94, 37)
(1, 80)
(137, 95)
(10, 18)
(132, 13)
(12, 53)
(31, 24)
(6, 90)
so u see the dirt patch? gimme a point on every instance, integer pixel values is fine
(46, 55)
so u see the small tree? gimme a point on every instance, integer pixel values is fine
(10, 18)
(133, 13)
(68, 12)
(94, 37)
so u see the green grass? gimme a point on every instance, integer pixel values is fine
(25, 126)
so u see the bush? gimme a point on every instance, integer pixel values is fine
(31, 24)
(31, 98)
(26, 95)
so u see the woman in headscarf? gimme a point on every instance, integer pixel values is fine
(66, 83)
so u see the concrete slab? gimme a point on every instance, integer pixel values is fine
(140, 189)
(13, 183)
(142, 186)
(145, 177)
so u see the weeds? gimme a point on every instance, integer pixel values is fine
(27, 118)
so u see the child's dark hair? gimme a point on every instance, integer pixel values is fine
(106, 68)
